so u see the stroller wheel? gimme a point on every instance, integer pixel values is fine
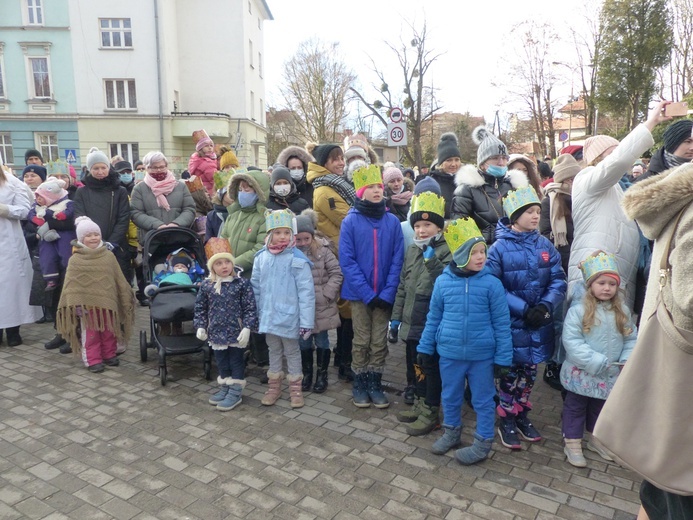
(143, 345)
(162, 375)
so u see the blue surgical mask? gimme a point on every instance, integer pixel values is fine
(247, 199)
(126, 178)
(497, 171)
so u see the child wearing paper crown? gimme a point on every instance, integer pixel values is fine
(203, 163)
(599, 336)
(96, 300)
(468, 326)
(53, 208)
(424, 261)
(225, 313)
(371, 253)
(529, 266)
(285, 296)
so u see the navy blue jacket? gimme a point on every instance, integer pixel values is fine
(529, 266)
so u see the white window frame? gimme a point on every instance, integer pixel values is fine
(126, 151)
(50, 149)
(112, 85)
(32, 80)
(110, 30)
(32, 13)
(250, 53)
(5, 145)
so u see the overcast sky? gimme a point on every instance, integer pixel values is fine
(472, 35)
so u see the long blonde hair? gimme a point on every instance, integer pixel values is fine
(590, 303)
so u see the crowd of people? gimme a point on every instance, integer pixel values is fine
(483, 271)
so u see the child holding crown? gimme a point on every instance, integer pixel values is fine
(371, 253)
(529, 266)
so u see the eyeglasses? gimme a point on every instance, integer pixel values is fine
(158, 168)
(498, 158)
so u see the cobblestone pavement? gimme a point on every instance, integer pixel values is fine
(120, 445)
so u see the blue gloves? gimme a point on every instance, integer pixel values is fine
(394, 324)
(429, 253)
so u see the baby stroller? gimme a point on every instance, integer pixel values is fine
(173, 304)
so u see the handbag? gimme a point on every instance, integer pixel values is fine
(647, 421)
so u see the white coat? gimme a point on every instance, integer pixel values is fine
(15, 264)
(599, 220)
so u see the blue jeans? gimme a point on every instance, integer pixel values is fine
(230, 362)
(321, 341)
(480, 377)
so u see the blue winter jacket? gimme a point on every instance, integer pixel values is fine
(371, 254)
(530, 268)
(284, 292)
(468, 319)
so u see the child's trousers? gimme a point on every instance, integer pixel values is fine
(370, 337)
(230, 362)
(279, 348)
(480, 376)
(515, 388)
(53, 257)
(579, 413)
(97, 345)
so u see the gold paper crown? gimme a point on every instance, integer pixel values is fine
(199, 134)
(366, 176)
(428, 201)
(460, 231)
(280, 218)
(519, 198)
(593, 266)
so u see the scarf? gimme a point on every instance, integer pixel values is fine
(339, 184)
(674, 160)
(401, 198)
(94, 284)
(161, 188)
(559, 228)
(220, 280)
(370, 209)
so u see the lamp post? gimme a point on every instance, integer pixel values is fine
(570, 116)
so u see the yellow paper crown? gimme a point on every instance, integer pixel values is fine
(366, 176)
(429, 202)
(280, 218)
(519, 198)
(460, 231)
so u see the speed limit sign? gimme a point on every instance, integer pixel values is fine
(397, 134)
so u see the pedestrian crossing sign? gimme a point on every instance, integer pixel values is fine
(71, 156)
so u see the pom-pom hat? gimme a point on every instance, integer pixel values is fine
(448, 147)
(96, 156)
(489, 145)
(462, 235)
(84, 226)
(52, 191)
(306, 221)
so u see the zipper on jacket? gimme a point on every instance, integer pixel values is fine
(466, 314)
(110, 215)
(375, 261)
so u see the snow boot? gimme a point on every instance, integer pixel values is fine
(233, 396)
(274, 391)
(295, 393)
(449, 440)
(307, 368)
(359, 391)
(593, 446)
(477, 452)
(323, 358)
(220, 395)
(525, 427)
(573, 450)
(412, 414)
(508, 430)
(427, 421)
(375, 390)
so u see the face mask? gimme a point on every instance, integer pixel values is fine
(497, 171)
(246, 198)
(159, 176)
(126, 178)
(296, 175)
(282, 190)
(139, 175)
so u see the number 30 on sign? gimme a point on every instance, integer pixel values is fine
(397, 134)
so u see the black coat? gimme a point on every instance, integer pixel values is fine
(447, 188)
(106, 203)
(657, 165)
(305, 190)
(292, 201)
(545, 229)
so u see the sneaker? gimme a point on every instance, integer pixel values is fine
(507, 431)
(597, 449)
(573, 451)
(112, 362)
(56, 342)
(97, 368)
(65, 349)
(427, 421)
(409, 394)
(525, 428)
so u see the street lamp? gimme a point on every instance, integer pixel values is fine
(570, 116)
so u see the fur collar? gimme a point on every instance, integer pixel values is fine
(468, 175)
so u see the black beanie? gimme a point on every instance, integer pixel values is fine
(520, 211)
(676, 133)
(448, 147)
(37, 169)
(279, 172)
(322, 153)
(32, 153)
(181, 259)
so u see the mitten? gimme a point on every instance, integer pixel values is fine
(429, 252)
(424, 360)
(42, 229)
(380, 303)
(304, 333)
(51, 235)
(201, 334)
(60, 215)
(537, 316)
(500, 371)
(544, 314)
(243, 337)
(4, 210)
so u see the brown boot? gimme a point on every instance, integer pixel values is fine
(295, 392)
(274, 391)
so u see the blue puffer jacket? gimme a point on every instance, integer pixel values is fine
(371, 254)
(530, 268)
(468, 319)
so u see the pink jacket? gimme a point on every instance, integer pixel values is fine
(204, 168)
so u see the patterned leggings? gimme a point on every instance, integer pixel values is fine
(515, 388)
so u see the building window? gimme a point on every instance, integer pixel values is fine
(120, 94)
(40, 78)
(47, 144)
(252, 105)
(6, 151)
(116, 33)
(3, 94)
(250, 53)
(250, 7)
(262, 110)
(259, 24)
(128, 151)
(34, 12)
(259, 63)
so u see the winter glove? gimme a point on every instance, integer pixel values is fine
(51, 235)
(429, 253)
(243, 337)
(201, 334)
(424, 360)
(305, 333)
(394, 324)
(42, 230)
(4, 210)
(500, 371)
(537, 316)
(378, 303)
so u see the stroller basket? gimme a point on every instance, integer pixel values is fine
(173, 303)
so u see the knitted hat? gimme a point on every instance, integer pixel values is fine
(214, 258)
(322, 152)
(280, 172)
(122, 166)
(181, 259)
(228, 159)
(356, 151)
(96, 156)
(676, 133)
(52, 190)
(428, 206)
(489, 145)
(392, 174)
(448, 147)
(32, 153)
(427, 184)
(545, 170)
(597, 264)
(597, 145)
(462, 235)
(84, 226)
(35, 168)
(566, 167)
(306, 222)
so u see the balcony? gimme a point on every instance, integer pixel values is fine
(216, 124)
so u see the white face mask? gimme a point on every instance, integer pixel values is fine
(180, 270)
(282, 190)
(296, 174)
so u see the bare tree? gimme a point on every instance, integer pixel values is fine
(676, 77)
(315, 88)
(416, 99)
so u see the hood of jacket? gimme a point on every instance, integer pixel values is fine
(295, 151)
(259, 181)
(470, 176)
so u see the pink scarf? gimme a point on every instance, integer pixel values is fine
(161, 188)
(402, 198)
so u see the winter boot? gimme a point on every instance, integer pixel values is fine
(573, 450)
(220, 395)
(449, 440)
(596, 448)
(65, 348)
(359, 391)
(323, 356)
(427, 421)
(233, 396)
(409, 394)
(345, 373)
(307, 368)
(274, 391)
(56, 342)
(412, 414)
(13, 337)
(525, 427)
(295, 393)
(375, 390)
(508, 430)
(474, 453)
